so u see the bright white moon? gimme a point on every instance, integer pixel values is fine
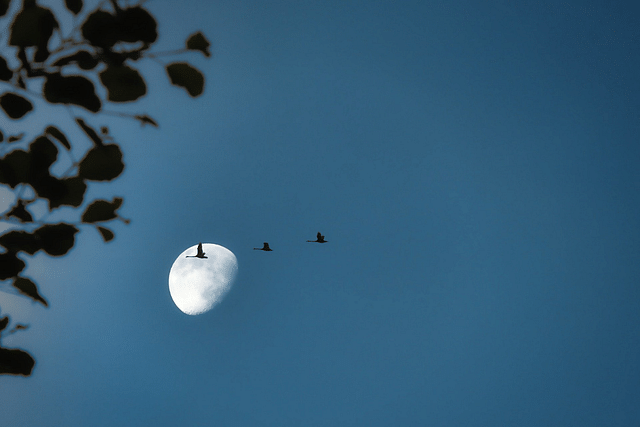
(197, 284)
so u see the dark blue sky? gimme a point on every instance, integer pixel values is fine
(474, 167)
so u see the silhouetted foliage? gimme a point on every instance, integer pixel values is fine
(183, 74)
(69, 70)
(14, 105)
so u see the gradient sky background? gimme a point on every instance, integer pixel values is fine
(475, 169)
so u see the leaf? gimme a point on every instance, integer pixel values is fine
(15, 138)
(101, 210)
(75, 6)
(107, 234)
(16, 241)
(146, 120)
(58, 239)
(15, 362)
(55, 132)
(123, 83)
(59, 192)
(11, 265)
(43, 154)
(183, 74)
(84, 59)
(19, 211)
(28, 288)
(136, 25)
(32, 26)
(197, 41)
(5, 71)
(72, 194)
(75, 90)
(129, 25)
(4, 322)
(100, 29)
(101, 163)
(42, 53)
(14, 105)
(4, 6)
(89, 131)
(14, 167)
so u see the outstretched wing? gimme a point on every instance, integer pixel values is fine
(266, 246)
(320, 236)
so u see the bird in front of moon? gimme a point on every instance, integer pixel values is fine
(200, 253)
(320, 239)
(265, 247)
(196, 282)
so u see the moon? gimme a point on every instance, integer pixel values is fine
(196, 285)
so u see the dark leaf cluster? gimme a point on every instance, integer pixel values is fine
(97, 57)
(14, 361)
(111, 42)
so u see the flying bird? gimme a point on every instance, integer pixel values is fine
(320, 239)
(200, 253)
(264, 248)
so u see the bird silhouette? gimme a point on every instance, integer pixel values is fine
(264, 248)
(200, 253)
(320, 239)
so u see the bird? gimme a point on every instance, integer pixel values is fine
(200, 253)
(320, 239)
(264, 248)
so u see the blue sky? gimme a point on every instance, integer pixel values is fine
(474, 167)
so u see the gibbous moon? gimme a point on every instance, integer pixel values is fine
(197, 284)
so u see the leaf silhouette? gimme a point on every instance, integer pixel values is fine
(14, 168)
(123, 83)
(100, 29)
(71, 194)
(19, 211)
(55, 132)
(75, 90)
(15, 362)
(184, 75)
(129, 25)
(197, 41)
(33, 26)
(14, 105)
(59, 192)
(146, 120)
(11, 265)
(75, 6)
(102, 163)
(4, 6)
(43, 154)
(101, 210)
(28, 288)
(57, 239)
(42, 53)
(16, 240)
(136, 25)
(5, 72)
(15, 138)
(107, 234)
